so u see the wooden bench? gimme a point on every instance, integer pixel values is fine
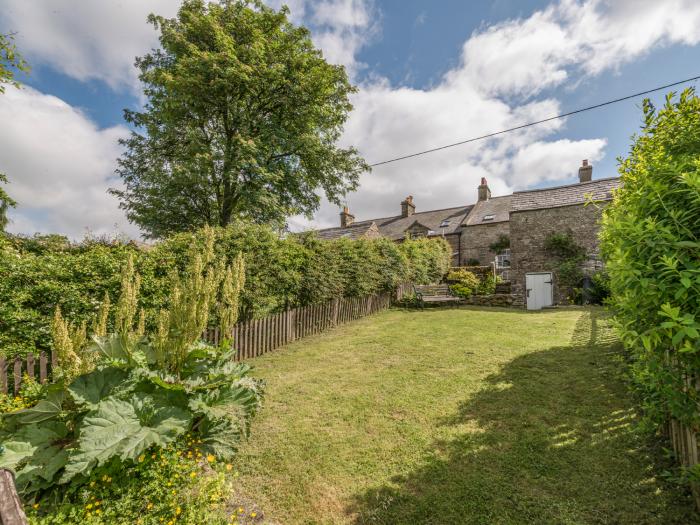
(434, 293)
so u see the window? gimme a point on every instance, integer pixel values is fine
(503, 259)
(488, 217)
(445, 223)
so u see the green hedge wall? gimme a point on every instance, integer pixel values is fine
(36, 274)
(651, 243)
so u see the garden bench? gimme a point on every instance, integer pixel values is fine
(434, 293)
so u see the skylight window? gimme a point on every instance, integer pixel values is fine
(488, 217)
(445, 223)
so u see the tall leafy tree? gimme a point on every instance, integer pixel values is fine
(242, 119)
(10, 62)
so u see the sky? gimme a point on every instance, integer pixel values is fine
(429, 73)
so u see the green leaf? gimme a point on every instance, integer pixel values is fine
(115, 429)
(15, 452)
(91, 388)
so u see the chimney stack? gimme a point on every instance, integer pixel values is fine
(346, 218)
(484, 191)
(585, 172)
(407, 207)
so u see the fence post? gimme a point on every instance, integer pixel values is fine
(18, 375)
(3, 375)
(11, 512)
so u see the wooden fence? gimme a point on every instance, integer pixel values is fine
(259, 336)
(13, 370)
(251, 339)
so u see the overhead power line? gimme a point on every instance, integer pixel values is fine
(522, 126)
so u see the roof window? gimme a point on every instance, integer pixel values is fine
(445, 223)
(488, 217)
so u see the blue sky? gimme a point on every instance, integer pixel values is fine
(428, 72)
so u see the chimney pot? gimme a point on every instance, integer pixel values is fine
(585, 172)
(484, 191)
(346, 218)
(407, 207)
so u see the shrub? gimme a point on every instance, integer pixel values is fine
(174, 484)
(39, 273)
(651, 242)
(143, 391)
(465, 283)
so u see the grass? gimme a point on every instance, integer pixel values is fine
(455, 416)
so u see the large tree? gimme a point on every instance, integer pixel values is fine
(241, 121)
(10, 62)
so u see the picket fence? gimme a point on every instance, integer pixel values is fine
(250, 339)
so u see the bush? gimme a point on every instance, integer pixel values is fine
(174, 484)
(131, 391)
(465, 283)
(651, 242)
(39, 273)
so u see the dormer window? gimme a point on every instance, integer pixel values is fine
(488, 217)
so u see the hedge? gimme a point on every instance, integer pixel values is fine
(39, 273)
(651, 244)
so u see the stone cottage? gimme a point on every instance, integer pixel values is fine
(525, 218)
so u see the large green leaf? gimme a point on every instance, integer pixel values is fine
(123, 429)
(90, 389)
(30, 439)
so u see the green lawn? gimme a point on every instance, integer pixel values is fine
(455, 416)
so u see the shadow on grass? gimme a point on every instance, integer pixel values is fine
(550, 439)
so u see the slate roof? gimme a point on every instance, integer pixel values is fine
(571, 194)
(354, 231)
(499, 207)
(395, 227)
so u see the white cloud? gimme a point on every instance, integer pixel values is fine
(570, 39)
(59, 166)
(566, 41)
(86, 40)
(61, 162)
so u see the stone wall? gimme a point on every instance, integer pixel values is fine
(497, 299)
(528, 231)
(453, 240)
(476, 240)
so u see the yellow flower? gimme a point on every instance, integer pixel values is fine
(141, 458)
(36, 505)
(88, 506)
(98, 511)
(178, 511)
(229, 466)
(193, 474)
(211, 458)
(241, 510)
(97, 502)
(253, 514)
(88, 514)
(149, 506)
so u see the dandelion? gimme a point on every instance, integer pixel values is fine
(88, 506)
(141, 458)
(211, 458)
(229, 467)
(149, 506)
(36, 505)
(193, 474)
(253, 514)
(178, 511)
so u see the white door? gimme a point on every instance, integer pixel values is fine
(538, 290)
